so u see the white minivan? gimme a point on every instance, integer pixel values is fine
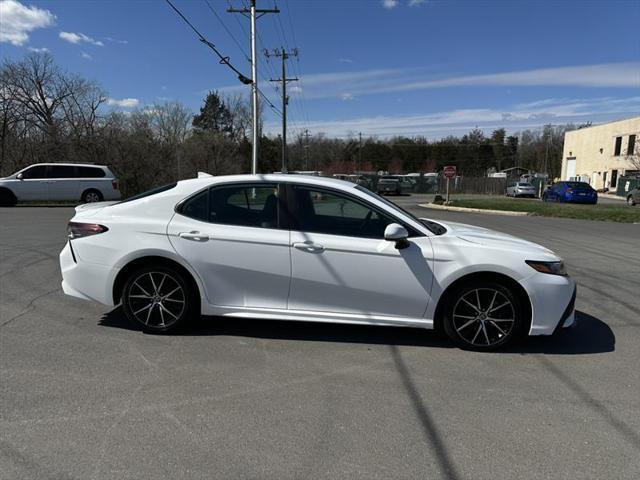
(72, 182)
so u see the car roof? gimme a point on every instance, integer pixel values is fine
(64, 164)
(268, 178)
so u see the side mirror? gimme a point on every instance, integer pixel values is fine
(20, 176)
(398, 234)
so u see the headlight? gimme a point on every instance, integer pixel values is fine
(554, 268)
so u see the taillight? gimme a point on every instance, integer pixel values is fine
(78, 230)
(114, 183)
(569, 190)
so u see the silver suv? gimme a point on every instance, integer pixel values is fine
(72, 182)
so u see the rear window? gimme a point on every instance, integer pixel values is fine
(578, 185)
(90, 172)
(148, 193)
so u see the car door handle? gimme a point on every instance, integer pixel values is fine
(308, 247)
(194, 235)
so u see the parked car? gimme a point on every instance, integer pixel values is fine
(633, 197)
(389, 186)
(521, 189)
(59, 182)
(309, 249)
(575, 192)
(406, 183)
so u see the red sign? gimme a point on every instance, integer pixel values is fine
(449, 171)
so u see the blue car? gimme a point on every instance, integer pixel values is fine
(573, 192)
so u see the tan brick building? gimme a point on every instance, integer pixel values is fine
(601, 154)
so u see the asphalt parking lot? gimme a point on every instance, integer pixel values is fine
(83, 396)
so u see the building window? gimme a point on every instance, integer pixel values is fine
(632, 145)
(618, 147)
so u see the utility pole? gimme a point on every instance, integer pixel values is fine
(306, 149)
(284, 55)
(359, 150)
(253, 14)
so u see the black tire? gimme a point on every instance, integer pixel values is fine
(630, 201)
(92, 195)
(158, 299)
(7, 198)
(471, 328)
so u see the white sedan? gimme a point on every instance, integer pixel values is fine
(312, 249)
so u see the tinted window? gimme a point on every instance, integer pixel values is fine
(90, 172)
(244, 205)
(319, 211)
(524, 184)
(39, 171)
(578, 185)
(197, 207)
(62, 171)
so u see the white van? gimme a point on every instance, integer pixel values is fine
(72, 182)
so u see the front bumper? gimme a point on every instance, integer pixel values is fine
(552, 302)
(85, 280)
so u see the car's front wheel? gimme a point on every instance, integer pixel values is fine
(631, 201)
(483, 315)
(158, 299)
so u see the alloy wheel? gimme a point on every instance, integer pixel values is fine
(92, 197)
(156, 299)
(484, 317)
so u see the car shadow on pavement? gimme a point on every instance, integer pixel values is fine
(588, 335)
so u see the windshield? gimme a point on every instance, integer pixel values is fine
(525, 185)
(433, 227)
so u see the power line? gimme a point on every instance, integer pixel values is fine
(223, 60)
(227, 29)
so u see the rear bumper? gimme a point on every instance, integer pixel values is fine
(88, 281)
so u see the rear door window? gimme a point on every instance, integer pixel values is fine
(62, 171)
(245, 205)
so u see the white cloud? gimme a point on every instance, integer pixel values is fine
(415, 3)
(39, 50)
(295, 89)
(124, 102)
(79, 37)
(345, 60)
(85, 55)
(439, 124)
(18, 20)
(389, 4)
(369, 82)
(115, 40)
(347, 96)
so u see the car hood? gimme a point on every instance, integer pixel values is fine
(492, 238)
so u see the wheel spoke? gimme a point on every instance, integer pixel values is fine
(478, 299)
(161, 314)
(496, 326)
(171, 293)
(162, 307)
(143, 309)
(143, 290)
(500, 306)
(155, 289)
(466, 324)
(464, 316)
(476, 335)
(495, 294)
(140, 296)
(161, 283)
(486, 335)
(500, 319)
(470, 304)
(149, 315)
(173, 300)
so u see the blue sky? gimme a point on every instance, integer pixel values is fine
(380, 67)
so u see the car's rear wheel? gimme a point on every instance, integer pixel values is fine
(157, 299)
(631, 201)
(92, 196)
(483, 316)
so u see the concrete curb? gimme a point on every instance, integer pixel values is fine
(474, 210)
